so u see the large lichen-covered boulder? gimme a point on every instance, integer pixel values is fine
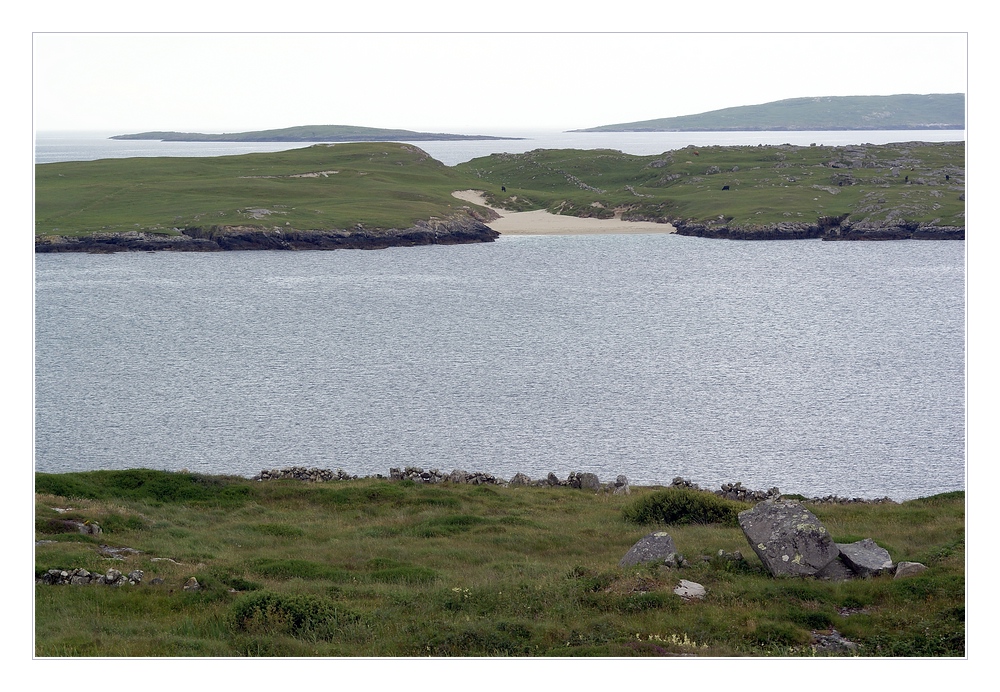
(656, 547)
(866, 558)
(788, 538)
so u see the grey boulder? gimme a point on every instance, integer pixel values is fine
(865, 558)
(909, 569)
(788, 538)
(656, 547)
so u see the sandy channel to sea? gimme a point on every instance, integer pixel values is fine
(541, 222)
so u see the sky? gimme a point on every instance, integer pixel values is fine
(461, 81)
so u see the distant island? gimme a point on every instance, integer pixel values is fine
(309, 133)
(899, 112)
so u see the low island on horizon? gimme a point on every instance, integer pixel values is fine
(310, 133)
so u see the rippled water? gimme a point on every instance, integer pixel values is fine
(816, 367)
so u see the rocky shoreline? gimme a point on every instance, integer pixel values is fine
(453, 231)
(824, 231)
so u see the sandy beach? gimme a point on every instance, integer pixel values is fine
(543, 223)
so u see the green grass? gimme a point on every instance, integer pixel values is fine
(378, 185)
(376, 568)
(385, 185)
(767, 184)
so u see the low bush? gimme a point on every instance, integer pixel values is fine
(297, 615)
(681, 506)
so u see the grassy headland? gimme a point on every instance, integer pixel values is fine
(318, 187)
(703, 191)
(374, 567)
(738, 186)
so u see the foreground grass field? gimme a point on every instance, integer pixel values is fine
(380, 568)
(386, 185)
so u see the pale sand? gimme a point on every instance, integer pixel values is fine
(543, 223)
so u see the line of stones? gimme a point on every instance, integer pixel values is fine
(576, 479)
(81, 576)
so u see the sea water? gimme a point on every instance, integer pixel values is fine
(817, 367)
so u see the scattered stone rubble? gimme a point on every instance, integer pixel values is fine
(655, 547)
(81, 576)
(791, 541)
(576, 479)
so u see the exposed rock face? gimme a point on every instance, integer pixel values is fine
(788, 538)
(893, 231)
(791, 230)
(458, 230)
(865, 558)
(836, 571)
(656, 547)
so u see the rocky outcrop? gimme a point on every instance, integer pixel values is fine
(893, 231)
(865, 558)
(788, 538)
(454, 231)
(842, 231)
(655, 547)
(723, 231)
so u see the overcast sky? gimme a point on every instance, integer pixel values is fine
(461, 82)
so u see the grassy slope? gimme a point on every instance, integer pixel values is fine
(899, 112)
(377, 568)
(768, 184)
(380, 185)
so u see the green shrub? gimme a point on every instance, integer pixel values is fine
(681, 506)
(297, 615)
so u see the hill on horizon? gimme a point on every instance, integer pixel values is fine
(898, 112)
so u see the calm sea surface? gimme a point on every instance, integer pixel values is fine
(816, 367)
